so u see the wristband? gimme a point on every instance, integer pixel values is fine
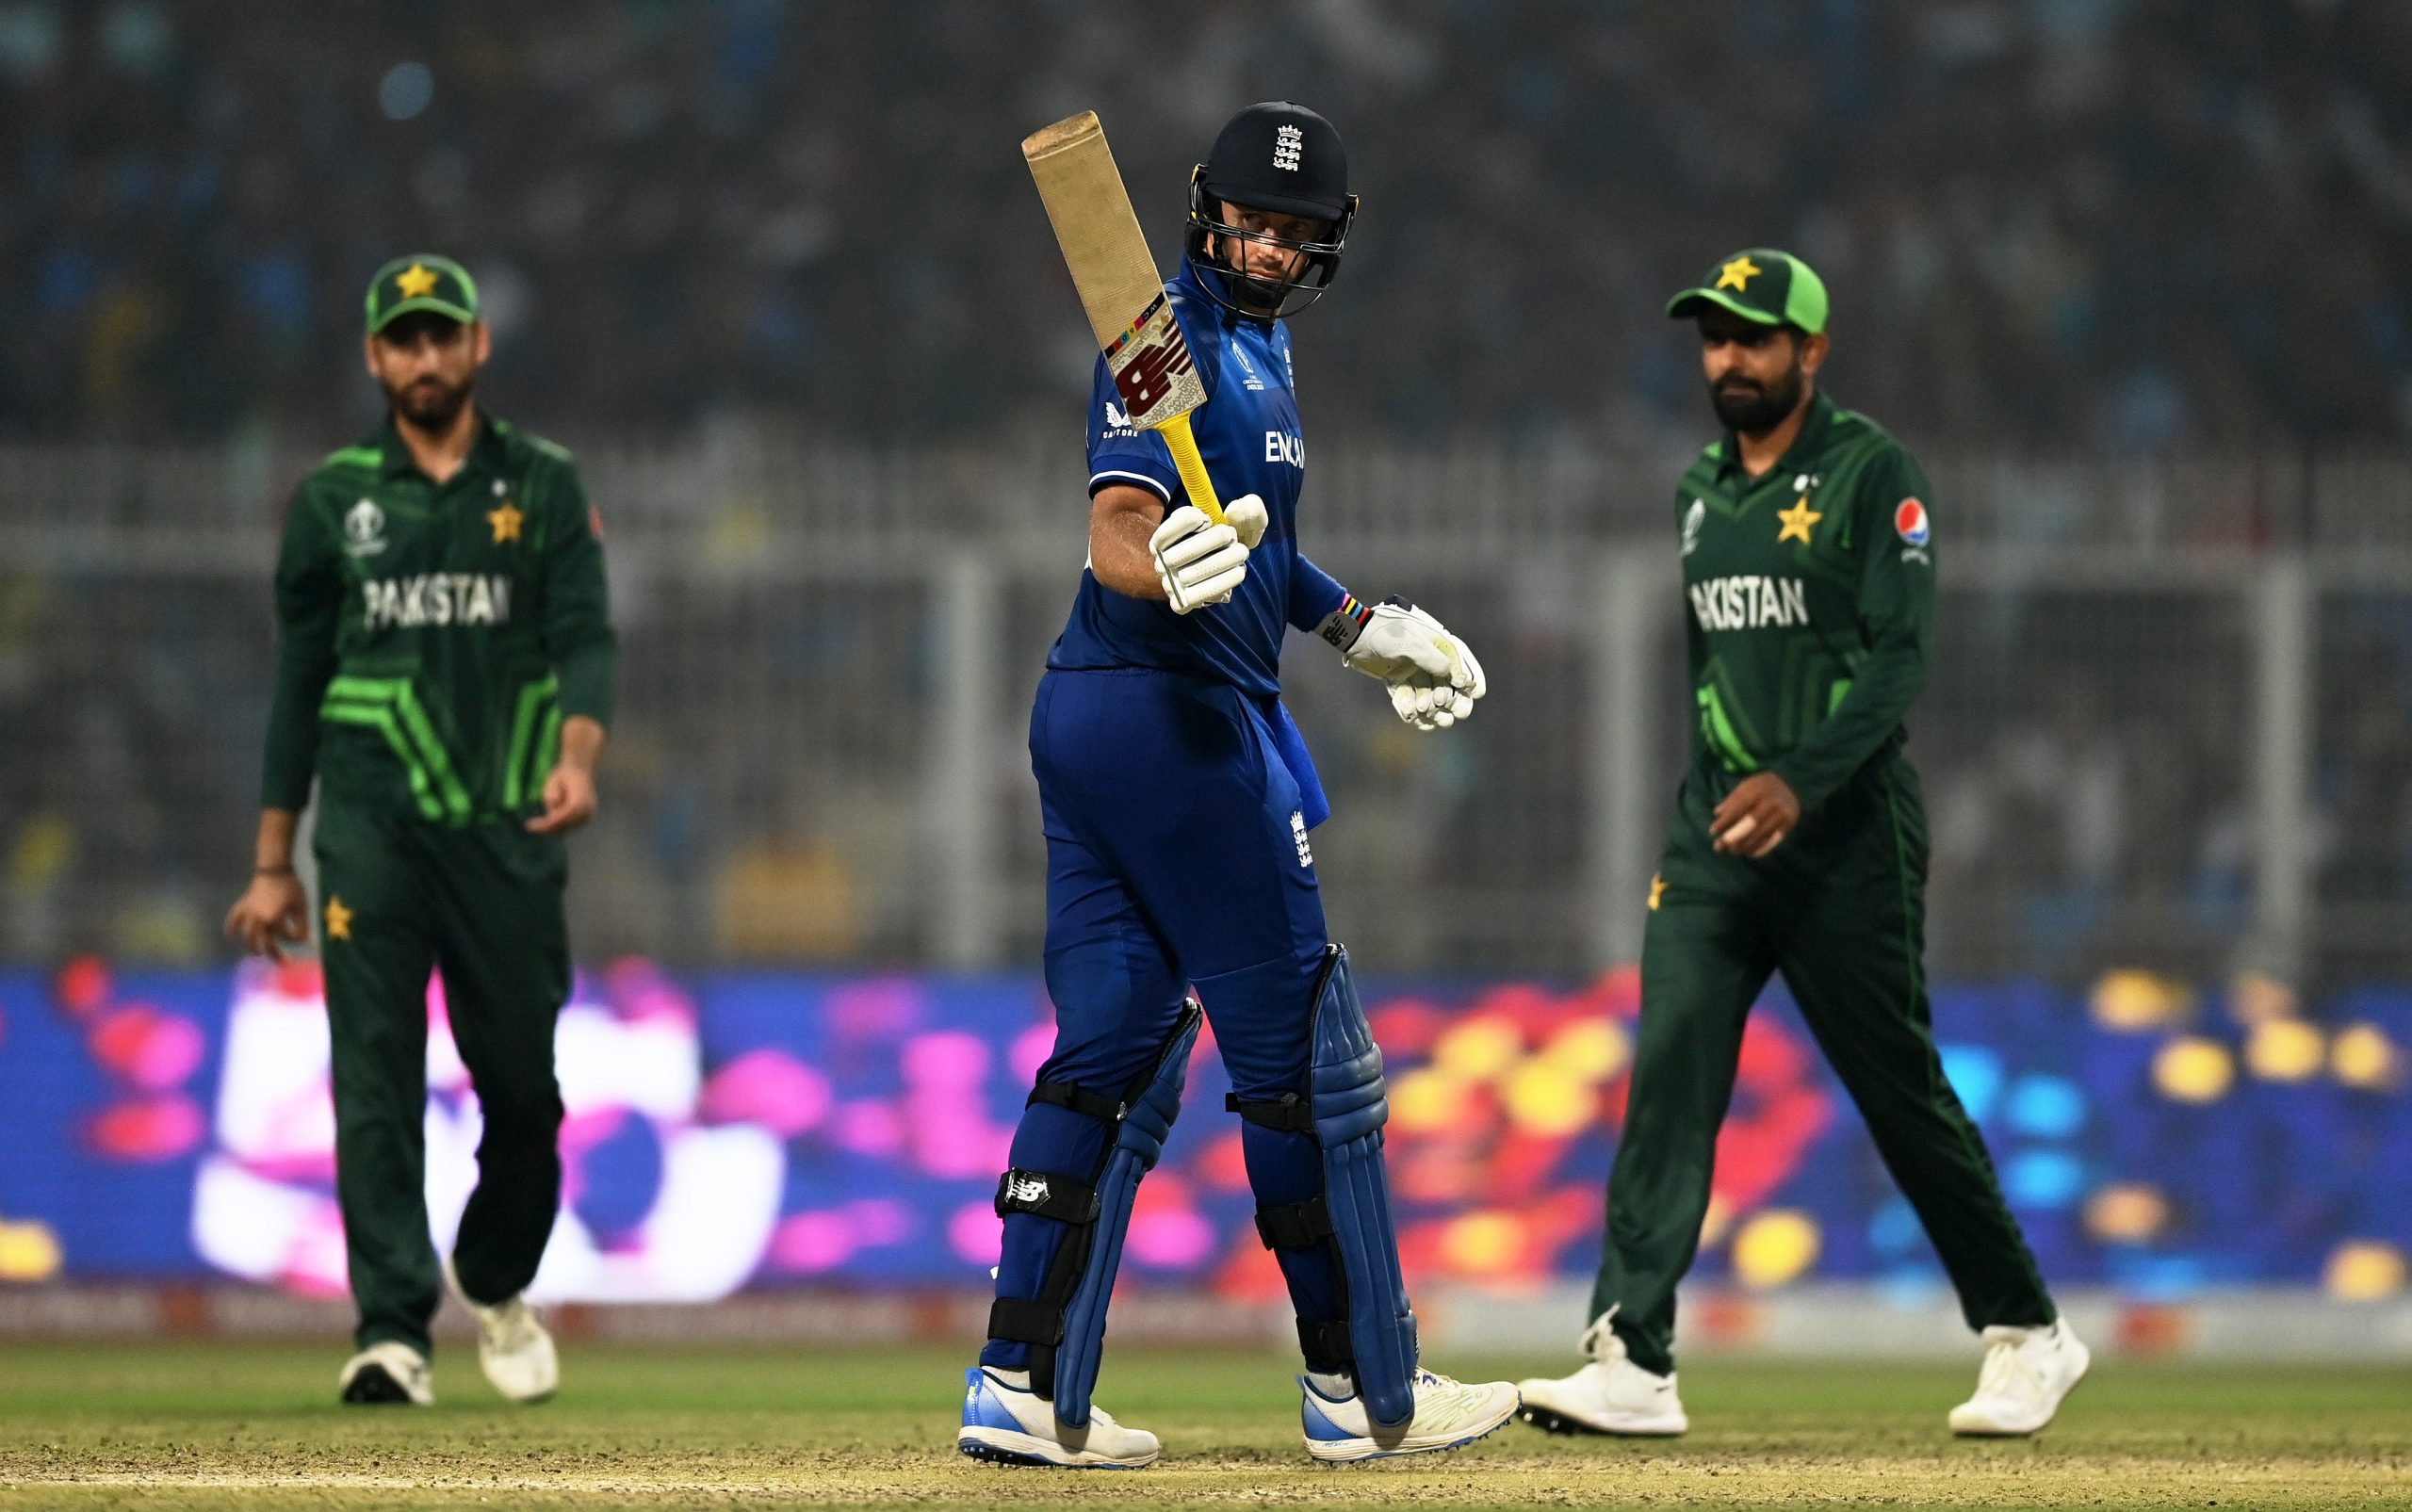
(1343, 626)
(272, 872)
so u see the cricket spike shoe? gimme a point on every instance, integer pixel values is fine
(2027, 1373)
(387, 1373)
(1449, 1414)
(1008, 1424)
(514, 1347)
(1611, 1396)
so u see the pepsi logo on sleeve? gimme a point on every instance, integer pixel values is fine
(1911, 523)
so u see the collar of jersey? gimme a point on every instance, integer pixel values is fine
(1804, 445)
(485, 453)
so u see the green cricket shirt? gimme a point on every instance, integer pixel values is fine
(433, 636)
(1811, 602)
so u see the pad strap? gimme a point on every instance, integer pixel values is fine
(1294, 1225)
(1026, 1322)
(1326, 1344)
(1290, 1114)
(1047, 1193)
(1081, 1100)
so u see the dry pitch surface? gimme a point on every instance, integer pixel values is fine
(184, 1425)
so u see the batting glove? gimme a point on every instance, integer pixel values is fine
(1200, 562)
(1433, 677)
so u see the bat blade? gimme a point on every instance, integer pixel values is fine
(1119, 286)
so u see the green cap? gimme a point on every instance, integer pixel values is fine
(1764, 284)
(421, 283)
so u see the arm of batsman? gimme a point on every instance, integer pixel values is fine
(1433, 677)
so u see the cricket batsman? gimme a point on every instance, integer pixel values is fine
(1798, 845)
(444, 671)
(1177, 798)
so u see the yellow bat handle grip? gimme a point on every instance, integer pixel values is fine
(1193, 466)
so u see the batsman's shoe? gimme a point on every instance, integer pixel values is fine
(1012, 1424)
(514, 1347)
(2027, 1373)
(1448, 1414)
(1611, 1394)
(387, 1372)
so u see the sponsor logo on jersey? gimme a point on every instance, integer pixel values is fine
(364, 529)
(1911, 523)
(1284, 445)
(1298, 834)
(1693, 519)
(1288, 143)
(1751, 602)
(1117, 423)
(436, 598)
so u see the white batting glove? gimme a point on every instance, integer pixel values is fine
(1198, 562)
(1433, 677)
(1247, 515)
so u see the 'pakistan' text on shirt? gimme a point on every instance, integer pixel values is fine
(1749, 602)
(436, 598)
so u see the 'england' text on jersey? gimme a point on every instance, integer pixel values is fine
(1749, 602)
(436, 598)
(1288, 446)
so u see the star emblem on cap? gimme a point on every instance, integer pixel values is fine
(1738, 273)
(339, 919)
(505, 521)
(418, 282)
(1797, 521)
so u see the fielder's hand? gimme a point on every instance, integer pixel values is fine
(569, 799)
(1755, 815)
(1433, 677)
(272, 913)
(1200, 562)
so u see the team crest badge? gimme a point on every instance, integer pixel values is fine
(1910, 522)
(1693, 519)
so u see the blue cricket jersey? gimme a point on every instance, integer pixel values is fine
(1247, 432)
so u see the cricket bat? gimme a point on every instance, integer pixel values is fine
(1121, 290)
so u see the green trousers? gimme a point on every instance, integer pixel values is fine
(1839, 910)
(482, 905)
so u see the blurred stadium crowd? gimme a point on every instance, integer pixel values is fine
(2101, 223)
(2129, 228)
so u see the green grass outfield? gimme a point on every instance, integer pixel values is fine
(202, 1425)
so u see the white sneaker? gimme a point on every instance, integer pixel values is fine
(514, 1348)
(1611, 1394)
(2027, 1373)
(1005, 1420)
(387, 1371)
(1448, 1414)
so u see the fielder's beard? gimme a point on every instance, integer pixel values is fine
(1751, 409)
(430, 404)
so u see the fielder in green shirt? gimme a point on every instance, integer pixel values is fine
(443, 672)
(1798, 846)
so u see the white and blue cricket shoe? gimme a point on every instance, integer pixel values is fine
(1449, 1414)
(1005, 1422)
